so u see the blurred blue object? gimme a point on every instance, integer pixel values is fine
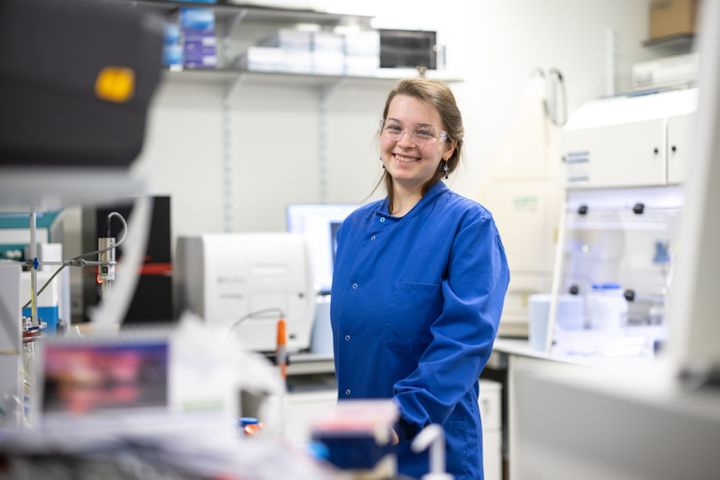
(353, 450)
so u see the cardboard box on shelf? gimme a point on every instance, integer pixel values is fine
(672, 17)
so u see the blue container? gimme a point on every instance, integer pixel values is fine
(48, 315)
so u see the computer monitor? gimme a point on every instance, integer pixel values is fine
(319, 224)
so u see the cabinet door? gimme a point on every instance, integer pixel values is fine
(490, 405)
(627, 155)
(679, 147)
(301, 409)
(492, 455)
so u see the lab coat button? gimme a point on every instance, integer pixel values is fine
(372, 238)
(347, 392)
(347, 338)
(382, 219)
(355, 285)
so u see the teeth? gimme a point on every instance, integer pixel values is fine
(405, 159)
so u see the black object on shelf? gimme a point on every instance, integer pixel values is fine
(679, 43)
(408, 48)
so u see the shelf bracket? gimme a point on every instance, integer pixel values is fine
(326, 93)
(227, 37)
(227, 155)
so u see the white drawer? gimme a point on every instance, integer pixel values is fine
(490, 405)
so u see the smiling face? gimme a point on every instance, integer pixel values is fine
(411, 165)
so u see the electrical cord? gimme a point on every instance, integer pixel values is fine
(240, 320)
(79, 261)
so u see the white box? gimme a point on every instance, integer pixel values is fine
(328, 62)
(276, 59)
(363, 43)
(328, 41)
(266, 59)
(289, 39)
(362, 64)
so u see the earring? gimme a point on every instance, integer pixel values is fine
(445, 168)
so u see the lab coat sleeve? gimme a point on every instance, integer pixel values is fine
(463, 334)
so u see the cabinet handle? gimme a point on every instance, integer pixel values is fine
(656, 150)
(673, 149)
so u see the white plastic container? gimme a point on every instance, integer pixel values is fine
(570, 316)
(607, 307)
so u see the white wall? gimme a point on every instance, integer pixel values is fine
(493, 44)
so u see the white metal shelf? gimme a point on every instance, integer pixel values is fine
(255, 13)
(249, 77)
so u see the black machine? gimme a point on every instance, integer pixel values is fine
(408, 48)
(76, 78)
(152, 302)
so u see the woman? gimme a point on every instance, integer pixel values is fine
(419, 283)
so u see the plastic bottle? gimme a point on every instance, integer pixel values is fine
(607, 306)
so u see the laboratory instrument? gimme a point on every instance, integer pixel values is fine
(243, 283)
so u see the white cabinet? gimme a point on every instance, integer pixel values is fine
(490, 401)
(300, 409)
(616, 155)
(629, 141)
(679, 147)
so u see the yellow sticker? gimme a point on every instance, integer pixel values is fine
(115, 84)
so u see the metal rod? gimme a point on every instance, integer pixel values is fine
(33, 267)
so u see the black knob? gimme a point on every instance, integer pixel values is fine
(656, 150)
(639, 208)
(629, 295)
(574, 290)
(582, 210)
(673, 149)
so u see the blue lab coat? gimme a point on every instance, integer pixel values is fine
(416, 302)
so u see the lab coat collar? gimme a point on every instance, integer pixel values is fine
(436, 190)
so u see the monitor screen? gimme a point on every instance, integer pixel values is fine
(319, 224)
(83, 378)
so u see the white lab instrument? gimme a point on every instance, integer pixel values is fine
(629, 141)
(675, 71)
(11, 360)
(245, 282)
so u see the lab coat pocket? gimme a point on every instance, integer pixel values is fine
(412, 309)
